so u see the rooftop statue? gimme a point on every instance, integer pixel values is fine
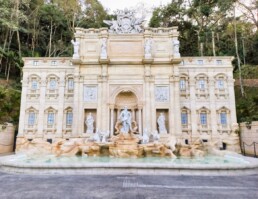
(125, 23)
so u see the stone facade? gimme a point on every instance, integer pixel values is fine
(143, 71)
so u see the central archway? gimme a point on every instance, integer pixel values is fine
(128, 98)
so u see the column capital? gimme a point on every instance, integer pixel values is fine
(112, 106)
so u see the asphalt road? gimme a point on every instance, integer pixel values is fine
(16, 186)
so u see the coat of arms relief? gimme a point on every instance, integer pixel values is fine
(125, 23)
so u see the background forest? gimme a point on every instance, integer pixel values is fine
(44, 28)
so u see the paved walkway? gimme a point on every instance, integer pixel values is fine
(17, 186)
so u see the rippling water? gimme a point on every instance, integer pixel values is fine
(208, 160)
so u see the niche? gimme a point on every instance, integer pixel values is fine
(166, 114)
(93, 113)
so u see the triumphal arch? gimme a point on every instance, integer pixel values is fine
(128, 67)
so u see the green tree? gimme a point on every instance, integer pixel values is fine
(94, 15)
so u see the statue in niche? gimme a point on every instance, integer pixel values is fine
(76, 46)
(147, 48)
(103, 54)
(89, 123)
(161, 122)
(176, 45)
(125, 118)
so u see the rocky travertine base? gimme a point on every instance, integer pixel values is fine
(122, 146)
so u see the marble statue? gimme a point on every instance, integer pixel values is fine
(147, 48)
(103, 54)
(125, 23)
(96, 137)
(76, 46)
(104, 136)
(161, 122)
(145, 137)
(89, 123)
(125, 118)
(176, 45)
(156, 136)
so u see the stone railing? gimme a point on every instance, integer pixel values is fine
(7, 132)
(249, 137)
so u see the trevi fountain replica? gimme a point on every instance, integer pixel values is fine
(127, 102)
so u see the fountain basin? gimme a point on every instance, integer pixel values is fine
(210, 165)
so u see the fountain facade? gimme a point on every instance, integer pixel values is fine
(127, 92)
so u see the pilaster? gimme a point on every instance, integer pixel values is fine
(232, 101)
(42, 107)
(194, 116)
(213, 122)
(23, 106)
(60, 113)
(172, 118)
(76, 104)
(80, 107)
(177, 107)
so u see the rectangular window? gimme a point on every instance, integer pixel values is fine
(52, 84)
(34, 85)
(70, 84)
(200, 62)
(31, 119)
(223, 118)
(184, 119)
(53, 63)
(50, 119)
(219, 62)
(35, 63)
(69, 118)
(220, 84)
(203, 118)
(201, 84)
(182, 85)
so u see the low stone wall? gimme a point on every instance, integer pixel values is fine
(249, 137)
(7, 132)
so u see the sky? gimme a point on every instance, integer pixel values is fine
(121, 4)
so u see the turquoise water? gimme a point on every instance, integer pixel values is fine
(208, 160)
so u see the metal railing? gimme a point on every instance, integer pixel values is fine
(244, 145)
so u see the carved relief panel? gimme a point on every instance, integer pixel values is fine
(162, 93)
(90, 93)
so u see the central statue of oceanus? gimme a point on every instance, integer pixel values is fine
(125, 23)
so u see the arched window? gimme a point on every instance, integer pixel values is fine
(223, 117)
(51, 114)
(31, 117)
(34, 86)
(202, 88)
(69, 118)
(221, 90)
(52, 86)
(204, 117)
